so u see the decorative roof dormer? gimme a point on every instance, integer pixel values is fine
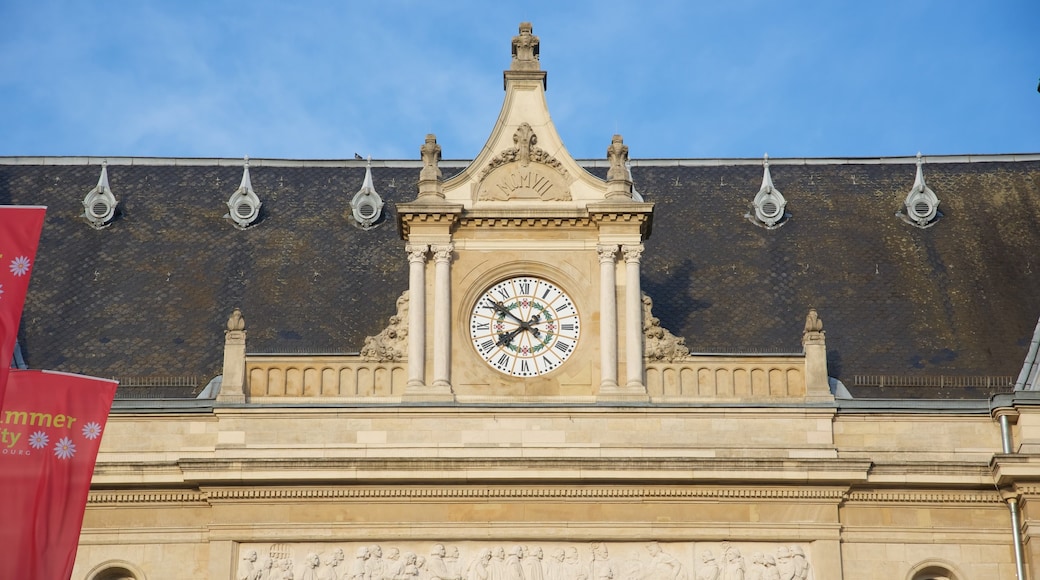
(768, 205)
(244, 205)
(921, 206)
(99, 205)
(366, 206)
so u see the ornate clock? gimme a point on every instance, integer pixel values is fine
(524, 326)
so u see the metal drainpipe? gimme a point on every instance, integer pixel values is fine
(1016, 532)
(1005, 433)
(1016, 525)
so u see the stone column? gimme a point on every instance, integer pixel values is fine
(442, 316)
(633, 318)
(608, 315)
(416, 314)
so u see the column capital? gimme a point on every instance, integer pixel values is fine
(417, 252)
(607, 252)
(632, 252)
(442, 252)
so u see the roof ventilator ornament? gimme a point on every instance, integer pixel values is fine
(244, 205)
(921, 206)
(366, 206)
(99, 205)
(769, 204)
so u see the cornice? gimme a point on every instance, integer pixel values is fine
(524, 221)
(611, 493)
(442, 466)
(923, 497)
(524, 493)
(149, 497)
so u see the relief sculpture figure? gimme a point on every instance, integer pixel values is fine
(478, 569)
(310, 568)
(601, 567)
(437, 567)
(663, 566)
(801, 565)
(533, 561)
(709, 569)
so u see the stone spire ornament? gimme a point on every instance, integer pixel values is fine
(813, 332)
(619, 184)
(525, 49)
(430, 174)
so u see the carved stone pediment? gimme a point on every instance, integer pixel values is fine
(524, 172)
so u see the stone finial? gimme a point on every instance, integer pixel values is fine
(236, 322)
(619, 182)
(430, 152)
(617, 155)
(525, 49)
(813, 333)
(430, 174)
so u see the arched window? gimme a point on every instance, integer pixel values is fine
(115, 570)
(933, 570)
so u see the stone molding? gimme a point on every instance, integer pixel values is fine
(324, 493)
(923, 497)
(514, 221)
(152, 497)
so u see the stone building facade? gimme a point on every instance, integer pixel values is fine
(529, 367)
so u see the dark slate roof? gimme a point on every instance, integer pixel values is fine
(150, 294)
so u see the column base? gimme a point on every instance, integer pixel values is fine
(626, 394)
(431, 394)
(231, 398)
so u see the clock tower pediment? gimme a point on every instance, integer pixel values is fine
(519, 262)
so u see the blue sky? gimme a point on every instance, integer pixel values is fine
(325, 80)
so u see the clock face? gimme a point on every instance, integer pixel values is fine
(524, 326)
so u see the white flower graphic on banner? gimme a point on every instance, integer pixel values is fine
(1, 290)
(20, 265)
(64, 448)
(38, 440)
(91, 430)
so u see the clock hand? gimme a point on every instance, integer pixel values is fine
(507, 337)
(499, 307)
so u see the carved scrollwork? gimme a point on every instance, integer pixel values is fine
(392, 343)
(524, 152)
(660, 345)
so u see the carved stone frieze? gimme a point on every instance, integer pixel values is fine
(392, 343)
(660, 345)
(524, 560)
(524, 171)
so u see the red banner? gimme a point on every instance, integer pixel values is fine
(19, 236)
(50, 430)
